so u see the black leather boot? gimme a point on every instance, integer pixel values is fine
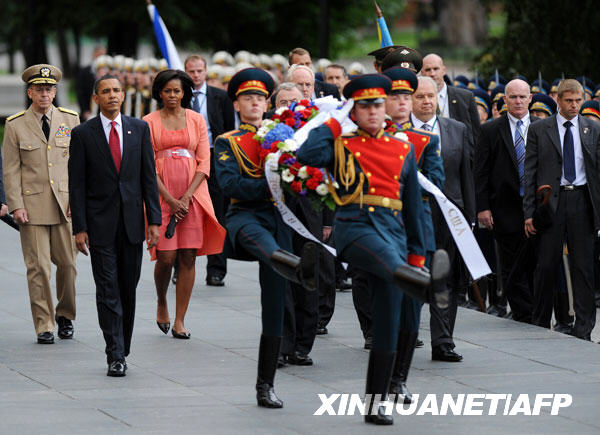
(406, 349)
(381, 364)
(420, 284)
(268, 352)
(300, 270)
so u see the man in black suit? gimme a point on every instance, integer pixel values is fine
(563, 151)
(111, 179)
(455, 143)
(217, 109)
(300, 56)
(453, 102)
(499, 171)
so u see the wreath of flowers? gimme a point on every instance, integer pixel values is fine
(277, 134)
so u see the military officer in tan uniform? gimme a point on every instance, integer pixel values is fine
(36, 153)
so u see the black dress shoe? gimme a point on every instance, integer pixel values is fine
(321, 330)
(419, 343)
(281, 361)
(563, 328)
(344, 285)
(45, 337)
(215, 280)
(65, 327)
(497, 310)
(445, 354)
(368, 343)
(116, 369)
(300, 359)
(181, 335)
(472, 305)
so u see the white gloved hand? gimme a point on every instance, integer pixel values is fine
(342, 113)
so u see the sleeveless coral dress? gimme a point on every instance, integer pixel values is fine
(179, 155)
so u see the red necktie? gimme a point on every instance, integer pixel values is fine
(115, 145)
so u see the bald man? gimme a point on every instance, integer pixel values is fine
(498, 170)
(453, 102)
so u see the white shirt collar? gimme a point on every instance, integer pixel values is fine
(416, 122)
(106, 122)
(443, 93)
(561, 120)
(514, 119)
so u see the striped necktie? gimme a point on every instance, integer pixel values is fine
(520, 153)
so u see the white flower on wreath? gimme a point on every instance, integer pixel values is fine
(289, 145)
(281, 110)
(287, 176)
(299, 108)
(402, 136)
(262, 132)
(322, 189)
(303, 173)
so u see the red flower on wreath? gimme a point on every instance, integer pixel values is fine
(295, 168)
(290, 122)
(263, 153)
(296, 186)
(304, 102)
(312, 183)
(284, 157)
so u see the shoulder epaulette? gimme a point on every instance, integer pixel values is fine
(15, 116)
(351, 134)
(70, 112)
(228, 134)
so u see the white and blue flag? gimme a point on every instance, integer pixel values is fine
(165, 43)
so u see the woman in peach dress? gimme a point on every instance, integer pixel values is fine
(182, 155)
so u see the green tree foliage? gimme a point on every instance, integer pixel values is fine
(551, 36)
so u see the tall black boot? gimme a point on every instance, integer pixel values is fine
(406, 349)
(419, 283)
(381, 364)
(300, 270)
(268, 352)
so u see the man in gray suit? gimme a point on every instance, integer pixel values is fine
(455, 146)
(563, 151)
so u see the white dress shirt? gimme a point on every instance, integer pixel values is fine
(434, 125)
(203, 104)
(579, 165)
(118, 126)
(512, 121)
(443, 102)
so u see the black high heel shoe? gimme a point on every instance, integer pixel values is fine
(164, 327)
(181, 335)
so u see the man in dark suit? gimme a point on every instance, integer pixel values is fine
(499, 171)
(300, 56)
(453, 102)
(111, 179)
(217, 109)
(563, 151)
(455, 144)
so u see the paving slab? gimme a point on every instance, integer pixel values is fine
(206, 384)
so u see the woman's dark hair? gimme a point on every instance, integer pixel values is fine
(164, 77)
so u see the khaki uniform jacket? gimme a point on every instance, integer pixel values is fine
(35, 169)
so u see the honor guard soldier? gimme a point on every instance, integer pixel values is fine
(554, 89)
(255, 230)
(591, 110)
(484, 104)
(542, 105)
(36, 153)
(378, 225)
(429, 161)
(540, 87)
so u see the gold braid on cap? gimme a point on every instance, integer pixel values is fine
(246, 165)
(347, 175)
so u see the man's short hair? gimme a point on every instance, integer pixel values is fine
(335, 65)
(192, 57)
(296, 51)
(296, 67)
(106, 77)
(569, 85)
(430, 80)
(288, 86)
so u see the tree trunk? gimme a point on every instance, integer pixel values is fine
(34, 44)
(63, 50)
(123, 39)
(463, 23)
(324, 28)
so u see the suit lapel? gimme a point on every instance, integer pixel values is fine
(585, 135)
(102, 144)
(34, 126)
(553, 133)
(451, 102)
(126, 141)
(505, 133)
(209, 105)
(445, 133)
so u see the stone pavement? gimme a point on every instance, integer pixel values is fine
(206, 384)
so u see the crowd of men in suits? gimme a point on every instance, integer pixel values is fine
(528, 186)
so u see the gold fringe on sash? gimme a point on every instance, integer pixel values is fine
(246, 165)
(347, 175)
